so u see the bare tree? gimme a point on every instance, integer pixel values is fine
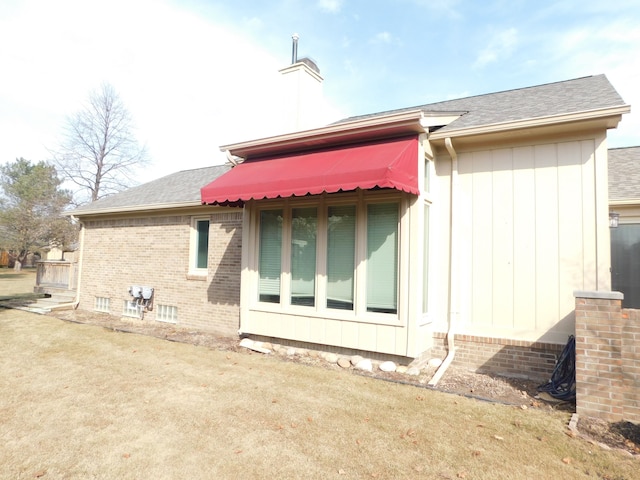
(99, 152)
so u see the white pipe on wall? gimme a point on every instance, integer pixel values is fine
(453, 266)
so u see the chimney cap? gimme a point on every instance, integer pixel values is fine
(310, 63)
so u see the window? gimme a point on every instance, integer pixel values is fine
(130, 309)
(101, 304)
(199, 246)
(304, 225)
(167, 313)
(426, 206)
(425, 261)
(341, 256)
(334, 256)
(382, 257)
(270, 255)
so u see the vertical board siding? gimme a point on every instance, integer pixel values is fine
(324, 331)
(482, 238)
(527, 236)
(546, 235)
(589, 242)
(503, 233)
(570, 229)
(524, 245)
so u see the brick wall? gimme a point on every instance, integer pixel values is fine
(513, 358)
(607, 357)
(154, 251)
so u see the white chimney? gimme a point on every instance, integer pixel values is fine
(303, 102)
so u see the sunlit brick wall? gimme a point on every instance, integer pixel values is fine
(514, 358)
(154, 251)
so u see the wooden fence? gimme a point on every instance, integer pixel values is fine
(57, 274)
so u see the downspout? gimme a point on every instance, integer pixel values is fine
(453, 266)
(76, 300)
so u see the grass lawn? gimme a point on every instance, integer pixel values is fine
(80, 401)
(17, 284)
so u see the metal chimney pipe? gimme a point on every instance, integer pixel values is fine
(294, 52)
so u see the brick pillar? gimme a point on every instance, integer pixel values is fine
(631, 364)
(599, 379)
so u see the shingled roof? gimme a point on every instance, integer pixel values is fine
(570, 96)
(624, 173)
(181, 188)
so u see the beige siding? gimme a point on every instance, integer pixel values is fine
(527, 223)
(154, 251)
(524, 244)
(364, 336)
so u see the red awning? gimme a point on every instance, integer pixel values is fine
(385, 164)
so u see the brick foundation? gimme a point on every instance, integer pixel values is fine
(512, 358)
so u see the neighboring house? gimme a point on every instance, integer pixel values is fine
(463, 224)
(624, 206)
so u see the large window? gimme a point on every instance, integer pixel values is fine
(330, 257)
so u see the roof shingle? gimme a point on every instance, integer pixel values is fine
(180, 187)
(624, 173)
(570, 96)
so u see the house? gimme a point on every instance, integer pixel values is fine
(460, 226)
(624, 205)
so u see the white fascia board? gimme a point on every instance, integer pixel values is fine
(532, 122)
(131, 208)
(410, 119)
(439, 120)
(626, 202)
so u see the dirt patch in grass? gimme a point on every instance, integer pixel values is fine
(621, 435)
(522, 393)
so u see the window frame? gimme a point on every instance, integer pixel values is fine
(131, 309)
(194, 246)
(167, 313)
(102, 304)
(359, 312)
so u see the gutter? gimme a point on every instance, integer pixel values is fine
(76, 300)
(453, 267)
(405, 122)
(501, 127)
(131, 208)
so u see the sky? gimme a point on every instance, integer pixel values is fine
(198, 74)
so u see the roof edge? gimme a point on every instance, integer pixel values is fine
(532, 122)
(408, 122)
(132, 208)
(624, 203)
